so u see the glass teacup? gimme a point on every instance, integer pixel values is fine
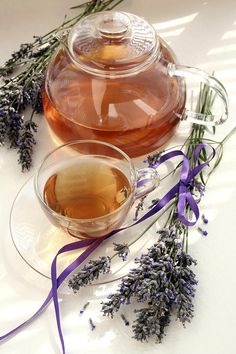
(87, 187)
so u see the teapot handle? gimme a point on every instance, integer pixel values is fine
(211, 82)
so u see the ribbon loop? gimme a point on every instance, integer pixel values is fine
(187, 203)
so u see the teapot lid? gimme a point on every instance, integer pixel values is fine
(113, 43)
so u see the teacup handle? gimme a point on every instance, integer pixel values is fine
(202, 77)
(148, 180)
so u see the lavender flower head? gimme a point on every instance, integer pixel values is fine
(153, 159)
(15, 130)
(122, 250)
(89, 273)
(25, 143)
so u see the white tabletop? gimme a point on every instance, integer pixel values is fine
(202, 34)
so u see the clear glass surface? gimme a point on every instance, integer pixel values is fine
(38, 241)
(113, 41)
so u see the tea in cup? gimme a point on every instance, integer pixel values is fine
(87, 187)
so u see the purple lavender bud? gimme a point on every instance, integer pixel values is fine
(203, 232)
(126, 322)
(204, 219)
(92, 325)
(84, 308)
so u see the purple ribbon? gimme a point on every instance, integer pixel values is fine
(182, 189)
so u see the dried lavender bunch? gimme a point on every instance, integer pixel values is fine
(22, 78)
(89, 273)
(16, 94)
(164, 281)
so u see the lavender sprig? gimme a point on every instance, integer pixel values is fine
(122, 250)
(16, 95)
(89, 273)
(26, 143)
(139, 208)
(21, 53)
(14, 127)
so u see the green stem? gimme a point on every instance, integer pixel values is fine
(116, 4)
(232, 131)
(147, 228)
(220, 145)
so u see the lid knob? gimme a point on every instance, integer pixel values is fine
(113, 25)
(113, 44)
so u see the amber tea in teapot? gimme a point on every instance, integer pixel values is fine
(116, 81)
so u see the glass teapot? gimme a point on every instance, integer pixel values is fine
(117, 81)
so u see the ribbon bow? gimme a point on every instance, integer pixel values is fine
(185, 199)
(185, 185)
